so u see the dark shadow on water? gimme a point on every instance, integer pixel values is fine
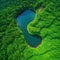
(40, 41)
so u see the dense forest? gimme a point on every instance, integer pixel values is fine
(46, 24)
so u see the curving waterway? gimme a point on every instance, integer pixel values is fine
(23, 20)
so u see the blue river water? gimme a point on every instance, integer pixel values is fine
(23, 20)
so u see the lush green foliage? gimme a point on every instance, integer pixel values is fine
(46, 24)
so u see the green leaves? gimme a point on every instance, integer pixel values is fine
(46, 24)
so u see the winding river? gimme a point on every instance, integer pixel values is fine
(23, 20)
